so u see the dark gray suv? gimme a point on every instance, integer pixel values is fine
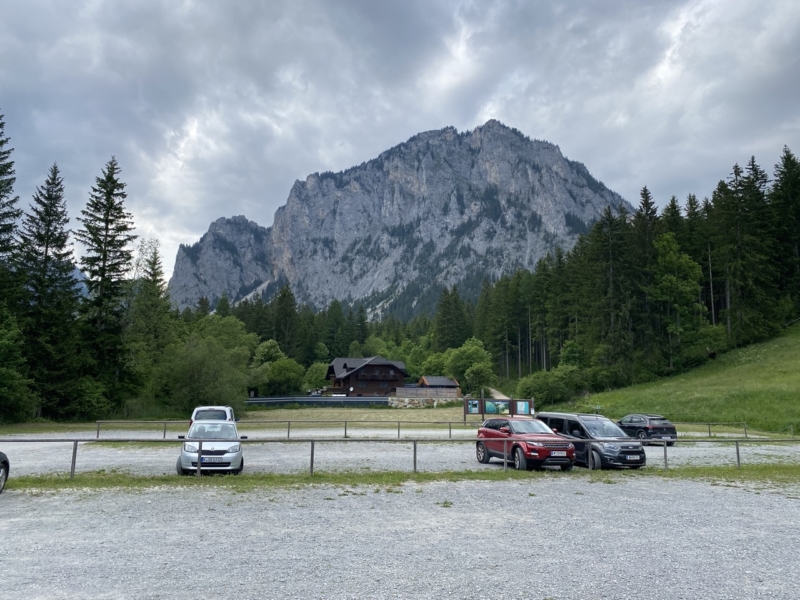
(610, 446)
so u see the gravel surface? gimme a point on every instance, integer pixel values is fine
(556, 536)
(292, 457)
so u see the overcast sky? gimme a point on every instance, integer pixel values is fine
(214, 108)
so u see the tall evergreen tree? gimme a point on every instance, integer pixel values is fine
(9, 213)
(106, 234)
(50, 309)
(785, 203)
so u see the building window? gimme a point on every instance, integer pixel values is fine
(384, 384)
(391, 371)
(362, 384)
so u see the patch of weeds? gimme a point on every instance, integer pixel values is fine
(579, 493)
(329, 498)
(444, 503)
(418, 490)
(531, 494)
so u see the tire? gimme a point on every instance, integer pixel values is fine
(597, 461)
(179, 468)
(566, 467)
(240, 469)
(520, 462)
(3, 477)
(641, 435)
(481, 453)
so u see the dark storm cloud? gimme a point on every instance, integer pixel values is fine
(214, 109)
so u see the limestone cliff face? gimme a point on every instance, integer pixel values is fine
(443, 208)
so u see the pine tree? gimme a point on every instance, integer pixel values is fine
(16, 400)
(106, 235)
(785, 203)
(49, 318)
(223, 307)
(9, 213)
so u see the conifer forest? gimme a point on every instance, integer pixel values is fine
(640, 296)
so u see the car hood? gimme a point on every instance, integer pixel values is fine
(538, 437)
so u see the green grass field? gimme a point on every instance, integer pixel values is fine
(759, 384)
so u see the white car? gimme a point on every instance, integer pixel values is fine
(212, 413)
(222, 450)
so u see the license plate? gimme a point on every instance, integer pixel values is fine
(666, 437)
(633, 457)
(212, 459)
(558, 453)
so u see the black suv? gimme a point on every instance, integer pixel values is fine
(648, 427)
(610, 446)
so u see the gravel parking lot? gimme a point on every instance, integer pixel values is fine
(557, 536)
(292, 457)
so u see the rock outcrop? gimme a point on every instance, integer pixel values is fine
(443, 208)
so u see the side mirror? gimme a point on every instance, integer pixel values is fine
(236, 419)
(505, 429)
(243, 437)
(181, 437)
(555, 430)
(576, 433)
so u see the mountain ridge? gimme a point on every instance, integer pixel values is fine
(442, 208)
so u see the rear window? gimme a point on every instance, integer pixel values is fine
(211, 415)
(660, 421)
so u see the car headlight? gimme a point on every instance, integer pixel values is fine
(571, 447)
(608, 446)
(189, 448)
(535, 444)
(234, 449)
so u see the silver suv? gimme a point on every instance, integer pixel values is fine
(609, 445)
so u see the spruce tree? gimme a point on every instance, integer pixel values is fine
(785, 203)
(106, 234)
(49, 321)
(9, 213)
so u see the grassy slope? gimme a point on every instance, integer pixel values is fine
(759, 384)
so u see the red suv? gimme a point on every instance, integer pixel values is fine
(530, 443)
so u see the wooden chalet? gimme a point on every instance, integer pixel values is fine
(374, 376)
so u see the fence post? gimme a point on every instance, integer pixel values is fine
(398, 430)
(589, 456)
(505, 455)
(98, 430)
(312, 458)
(74, 458)
(288, 429)
(666, 465)
(745, 430)
(415, 456)
(450, 429)
(738, 458)
(199, 456)
(345, 429)
(709, 430)
(165, 430)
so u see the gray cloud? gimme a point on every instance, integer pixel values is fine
(214, 109)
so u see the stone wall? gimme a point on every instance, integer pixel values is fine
(416, 402)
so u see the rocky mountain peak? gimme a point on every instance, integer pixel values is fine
(442, 208)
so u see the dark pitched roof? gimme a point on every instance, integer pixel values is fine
(342, 367)
(435, 381)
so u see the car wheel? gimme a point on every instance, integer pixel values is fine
(481, 453)
(179, 468)
(642, 436)
(3, 477)
(520, 462)
(566, 467)
(597, 461)
(240, 469)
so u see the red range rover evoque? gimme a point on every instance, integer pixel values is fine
(528, 442)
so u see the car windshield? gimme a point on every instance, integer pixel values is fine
(212, 431)
(603, 428)
(532, 426)
(211, 415)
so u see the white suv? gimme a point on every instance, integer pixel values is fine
(212, 413)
